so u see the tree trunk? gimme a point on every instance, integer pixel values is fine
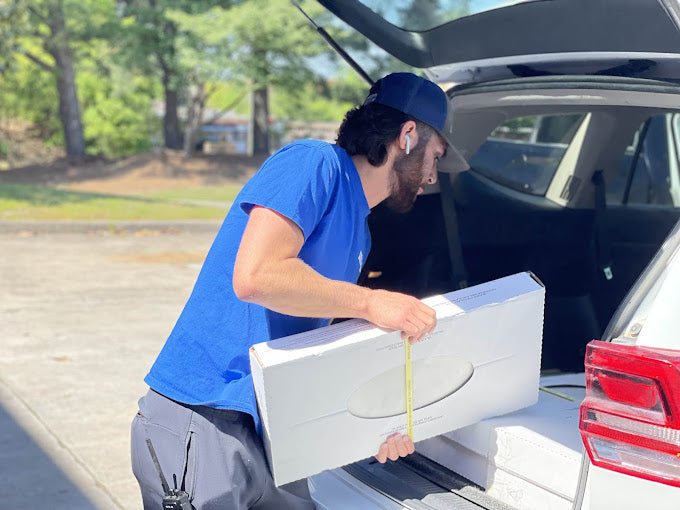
(194, 119)
(258, 134)
(69, 108)
(171, 131)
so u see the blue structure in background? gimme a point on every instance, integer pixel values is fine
(231, 137)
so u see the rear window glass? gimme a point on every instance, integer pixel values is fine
(420, 15)
(645, 172)
(524, 153)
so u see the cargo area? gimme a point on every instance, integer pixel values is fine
(530, 459)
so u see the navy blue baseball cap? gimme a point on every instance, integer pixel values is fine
(423, 100)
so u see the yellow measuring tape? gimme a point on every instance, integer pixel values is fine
(409, 388)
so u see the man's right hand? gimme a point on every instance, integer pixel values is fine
(399, 312)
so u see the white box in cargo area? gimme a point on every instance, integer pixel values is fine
(529, 459)
(331, 396)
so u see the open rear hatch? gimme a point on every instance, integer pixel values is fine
(453, 39)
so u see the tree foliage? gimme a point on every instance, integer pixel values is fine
(47, 24)
(117, 118)
(93, 73)
(152, 43)
(257, 44)
(112, 106)
(29, 92)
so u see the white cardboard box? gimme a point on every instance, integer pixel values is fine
(331, 396)
(529, 459)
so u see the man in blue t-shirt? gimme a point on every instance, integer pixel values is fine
(285, 260)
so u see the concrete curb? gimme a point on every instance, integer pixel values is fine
(81, 226)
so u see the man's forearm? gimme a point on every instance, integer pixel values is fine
(293, 288)
(268, 272)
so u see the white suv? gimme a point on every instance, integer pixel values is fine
(568, 111)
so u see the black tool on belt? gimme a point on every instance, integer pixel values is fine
(174, 499)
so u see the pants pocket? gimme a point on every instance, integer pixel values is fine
(190, 463)
(174, 452)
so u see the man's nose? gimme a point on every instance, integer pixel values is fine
(432, 178)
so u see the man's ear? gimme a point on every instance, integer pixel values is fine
(408, 129)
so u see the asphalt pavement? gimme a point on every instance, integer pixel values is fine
(84, 309)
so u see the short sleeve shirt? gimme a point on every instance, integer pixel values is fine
(205, 359)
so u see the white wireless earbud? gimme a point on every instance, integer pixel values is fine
(408, 144)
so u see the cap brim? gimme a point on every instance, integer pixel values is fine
(453, 162)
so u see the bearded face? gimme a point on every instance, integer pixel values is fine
(408, 172)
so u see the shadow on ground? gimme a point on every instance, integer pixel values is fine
(29, 477)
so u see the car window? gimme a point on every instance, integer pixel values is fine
(419, 15)
(645, 172)
(523, 153)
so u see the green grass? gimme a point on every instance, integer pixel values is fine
(28, 202)
(208, 193)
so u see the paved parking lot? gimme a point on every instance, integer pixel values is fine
(84, 310)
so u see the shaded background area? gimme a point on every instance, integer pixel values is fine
(146, 171)
(30, 477)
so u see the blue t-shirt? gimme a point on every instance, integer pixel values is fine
(205, 358)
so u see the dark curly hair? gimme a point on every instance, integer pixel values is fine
(368, 129)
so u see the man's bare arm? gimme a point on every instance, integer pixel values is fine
(269, 273)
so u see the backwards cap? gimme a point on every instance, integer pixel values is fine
(422, 100)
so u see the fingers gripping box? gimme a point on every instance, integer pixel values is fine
(331, 396)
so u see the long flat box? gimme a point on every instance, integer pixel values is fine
(331, 396)
(529, 459)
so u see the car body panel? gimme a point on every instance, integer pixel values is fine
(607, 489)
(336, 489)
(631, 64)
(655, 291)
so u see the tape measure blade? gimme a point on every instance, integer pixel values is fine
(408, 373)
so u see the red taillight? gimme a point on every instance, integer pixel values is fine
(628, 390)
(630, 419)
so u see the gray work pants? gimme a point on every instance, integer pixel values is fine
(215, 455)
